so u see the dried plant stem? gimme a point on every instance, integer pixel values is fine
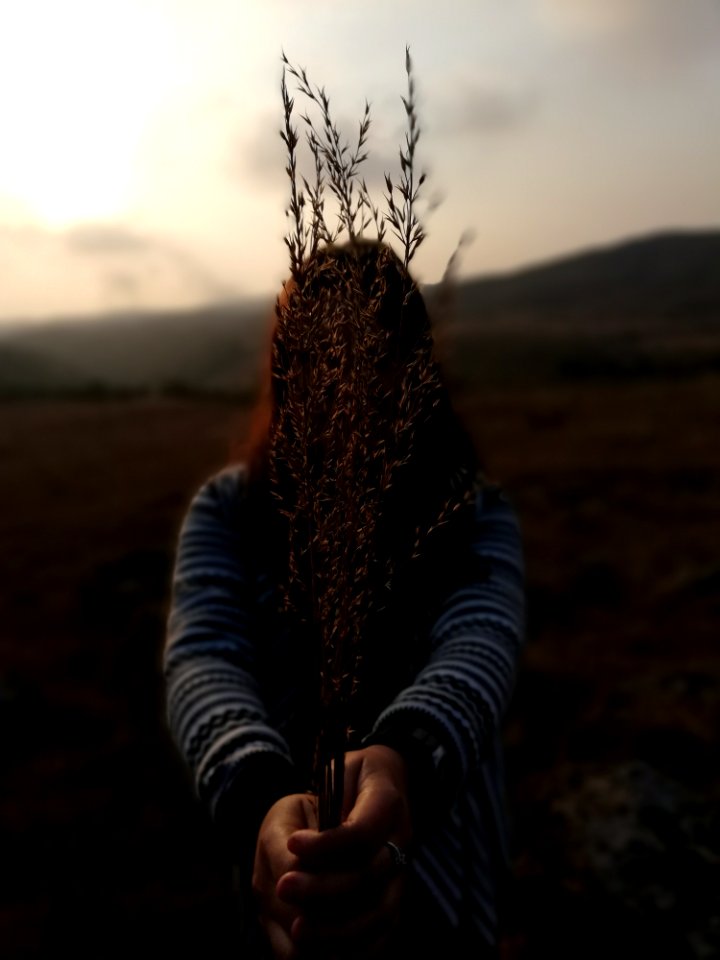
(337, 166)
(330, 762)
(402, 216)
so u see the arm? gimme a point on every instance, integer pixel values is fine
(215, 710)
(446, 720)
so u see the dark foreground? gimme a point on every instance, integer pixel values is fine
(614, 782)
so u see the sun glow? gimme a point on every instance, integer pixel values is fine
(80, 83)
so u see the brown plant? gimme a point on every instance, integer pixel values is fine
(359, 413)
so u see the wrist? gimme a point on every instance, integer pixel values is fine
(392, 761)
(425, 762)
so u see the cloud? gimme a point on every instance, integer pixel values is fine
(484, 109)
(99, 238)
(665, 33)
(117, 243)
(95, 267)
(589, 16)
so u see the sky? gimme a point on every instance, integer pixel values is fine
(141, 163)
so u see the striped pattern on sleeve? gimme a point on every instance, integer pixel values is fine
(462, 695)
(215, 711)
(466, 686)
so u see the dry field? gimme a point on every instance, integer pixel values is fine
(611, 741)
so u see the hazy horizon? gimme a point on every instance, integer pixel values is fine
(255, 301)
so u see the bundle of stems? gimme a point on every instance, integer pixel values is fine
(338, 600)
(330, 770)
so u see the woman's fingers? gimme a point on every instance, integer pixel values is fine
(342, 889)
(328, 889)
(308, 890)
(371, 821)
(356, 933)
(272, 861)
(279, 939)
(345, 912)
(376, 807)
(350, 844)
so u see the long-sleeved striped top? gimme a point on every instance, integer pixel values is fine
(231, 677)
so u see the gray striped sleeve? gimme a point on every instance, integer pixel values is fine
(464, 690)
(214, 708)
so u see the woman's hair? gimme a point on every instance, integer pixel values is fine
(358, 447)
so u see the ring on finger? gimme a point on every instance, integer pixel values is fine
(399, 857)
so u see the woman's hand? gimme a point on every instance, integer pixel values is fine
(343, 892)
(273, 860)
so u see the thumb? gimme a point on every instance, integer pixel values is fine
(377, 800)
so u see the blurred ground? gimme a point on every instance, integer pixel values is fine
(611, 741)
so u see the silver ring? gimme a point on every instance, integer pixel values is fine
(399, 859)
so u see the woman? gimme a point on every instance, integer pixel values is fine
(354, 579)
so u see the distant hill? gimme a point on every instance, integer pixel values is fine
(213, 348)
(23, 369)
(643, 307)
(673, 276)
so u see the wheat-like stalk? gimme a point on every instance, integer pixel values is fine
(337, 166)
(402, 215)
